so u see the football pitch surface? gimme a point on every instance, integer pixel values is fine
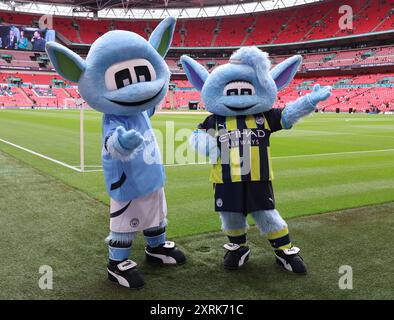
(52, 214)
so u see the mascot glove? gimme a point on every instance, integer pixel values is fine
(319, 94)
(122, 144)
(204, 144)
(129, 140)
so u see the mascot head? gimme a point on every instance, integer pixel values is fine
(123, 74)
(243, 86)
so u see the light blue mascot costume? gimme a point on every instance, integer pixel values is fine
(125, 77)
(241, 96)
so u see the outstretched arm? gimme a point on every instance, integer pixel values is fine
(123, 145)
(204, 143)
(305, 105)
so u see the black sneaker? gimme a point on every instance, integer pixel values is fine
(236, 255)
(126, 274)
(166, 253)
(290, 260)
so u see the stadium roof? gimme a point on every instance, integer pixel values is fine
(147, 9)
(151, 4)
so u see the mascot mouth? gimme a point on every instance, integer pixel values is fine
(136, 103)
(240, 109)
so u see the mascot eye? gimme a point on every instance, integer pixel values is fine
(123, 78)
(234, 88)
(246, 92)
(129, 72)
(232, 92)
(143, 73)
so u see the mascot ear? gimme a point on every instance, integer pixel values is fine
(285, 71)
(195, 72)
(161, 37)
(66, 62)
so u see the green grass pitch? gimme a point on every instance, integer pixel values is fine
(54, 215)
(303, 185)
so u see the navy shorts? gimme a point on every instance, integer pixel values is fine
(244, 197)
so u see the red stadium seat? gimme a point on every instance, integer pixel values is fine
(277, 26)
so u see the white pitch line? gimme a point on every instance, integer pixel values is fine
(280, 157)
(332, 154)
(182, 113)
(185, 164)
(89, 166)
(194, 163)
(40, 155)
(166, 165)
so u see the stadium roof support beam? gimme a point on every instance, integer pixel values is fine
(123, 9)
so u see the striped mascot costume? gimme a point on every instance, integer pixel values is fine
(236, 136)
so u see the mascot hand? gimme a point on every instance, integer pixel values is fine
(129, 140)
(319, 94)
(204, 144)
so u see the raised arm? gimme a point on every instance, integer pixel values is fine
(305, 105)
(204, 143)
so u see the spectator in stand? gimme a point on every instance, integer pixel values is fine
(38, 42)
(22, 42)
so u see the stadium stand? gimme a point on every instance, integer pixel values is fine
(12, 97)
(326, 60)
(375, 55)
(258, 28)
(362, 92)
(27, 81)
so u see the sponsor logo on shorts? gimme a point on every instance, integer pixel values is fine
(219, 202)
(134, 222)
